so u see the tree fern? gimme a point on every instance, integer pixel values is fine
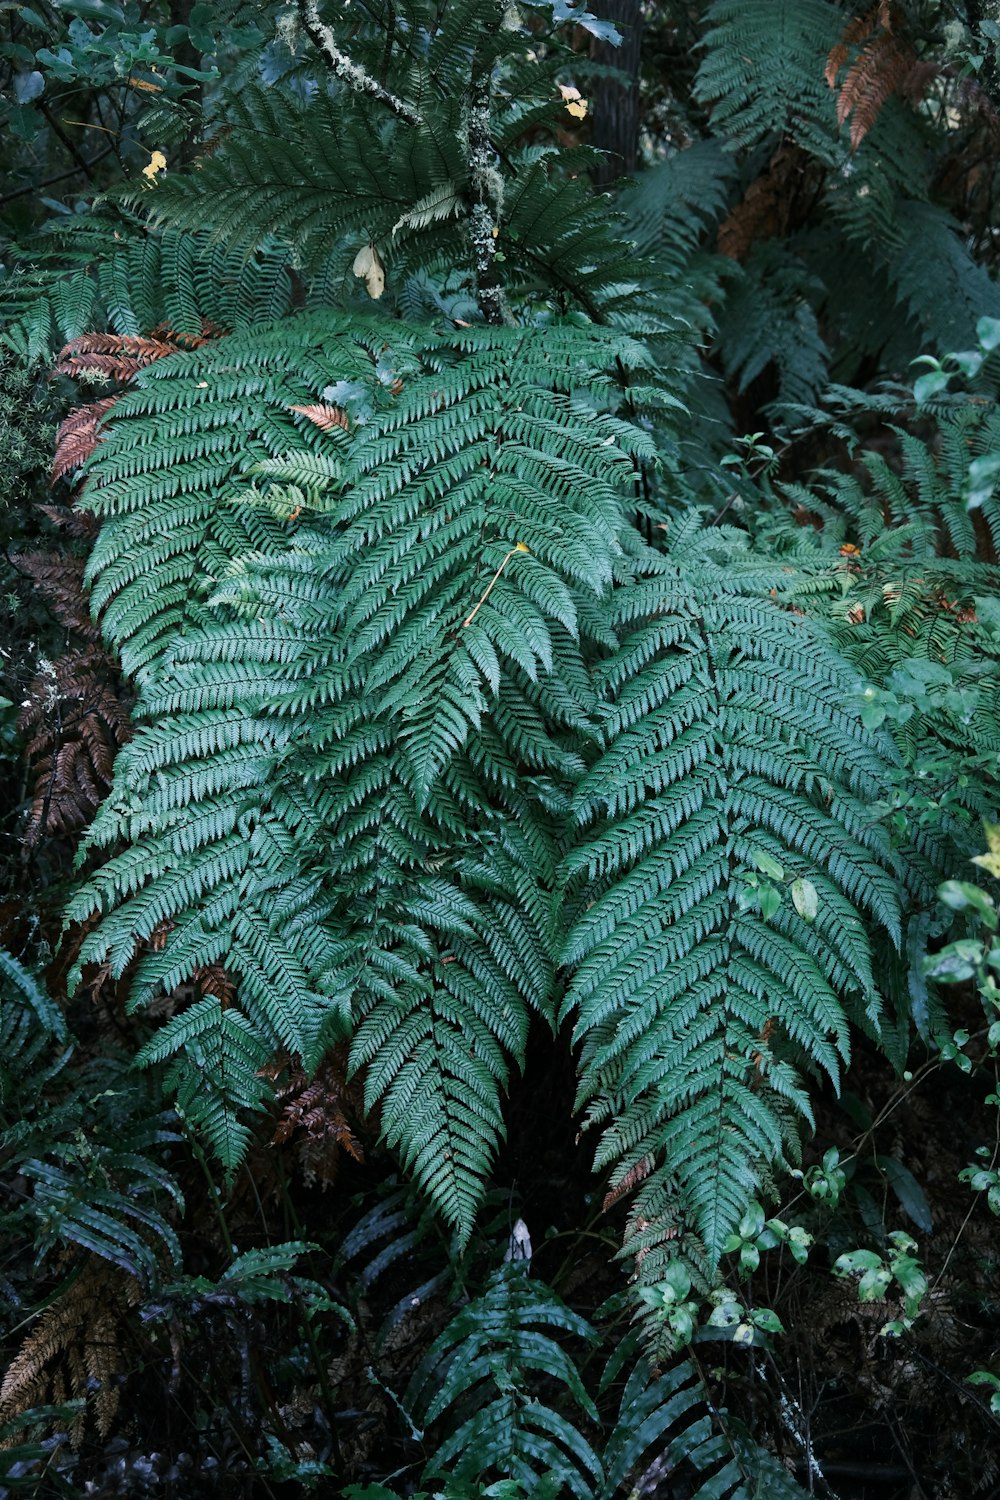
(372, 579)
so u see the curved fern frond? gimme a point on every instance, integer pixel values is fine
(489, 1360)
(357, 680)
(733, 771)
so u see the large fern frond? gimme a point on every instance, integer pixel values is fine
(357, 679)
(734, 774)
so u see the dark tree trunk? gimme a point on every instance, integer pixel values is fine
(615, 127)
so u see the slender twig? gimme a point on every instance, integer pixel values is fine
(305, 1314)
(71, 146)
(518, 547)
(39, 187)
(346, 69)
(972, 1205)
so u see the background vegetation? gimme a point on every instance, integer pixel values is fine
(498, 751)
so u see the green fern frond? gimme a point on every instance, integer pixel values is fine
(217, 1080)
(347, 704)
(489, 1358)
(762, 73)
(691, 997)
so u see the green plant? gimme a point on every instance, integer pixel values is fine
(878, 1272)
(485, 1368)
(384, 850)
(485, 685)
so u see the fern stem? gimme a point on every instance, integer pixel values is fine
(489, 587)
(213, 1195)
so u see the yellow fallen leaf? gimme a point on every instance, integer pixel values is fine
(990, 862)
(157, 163)
(576, 104)
(368, 266)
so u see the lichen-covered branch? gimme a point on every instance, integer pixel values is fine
(486, 184)
(346, 69)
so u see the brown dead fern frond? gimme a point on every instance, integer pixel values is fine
(631, 1180)
(881, 70)
(78, 436)
(75, 1350)
(767, 207)
(74, 723)
(314, 1118)
(80, 525)
(209, 331)
(115, 356)
(214, 980)
(58, 577)
(857, 30)
(328, 418)
(885, 66)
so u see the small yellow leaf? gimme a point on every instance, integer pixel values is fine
(576, 104)
(157, 163)
(990, 862)
(520, 547)
(368, 266)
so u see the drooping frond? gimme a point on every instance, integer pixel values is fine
(502, 1385)
(762, 72)
(767, 320)
(352, 674)
(488, 1359)
(728, 859)
(30, 1023)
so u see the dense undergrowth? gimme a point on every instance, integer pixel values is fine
(501, 708)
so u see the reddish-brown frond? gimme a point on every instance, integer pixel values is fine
(58, 576)
(74, 723)
(885, 65)
(856, 30)
(767, 207)
(631, 1180)
(314, 1118)
(118, 356)
(880, 70)
(209, 331)
(82, 525)
(327, 417)
(213, 979)
(78, 436)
